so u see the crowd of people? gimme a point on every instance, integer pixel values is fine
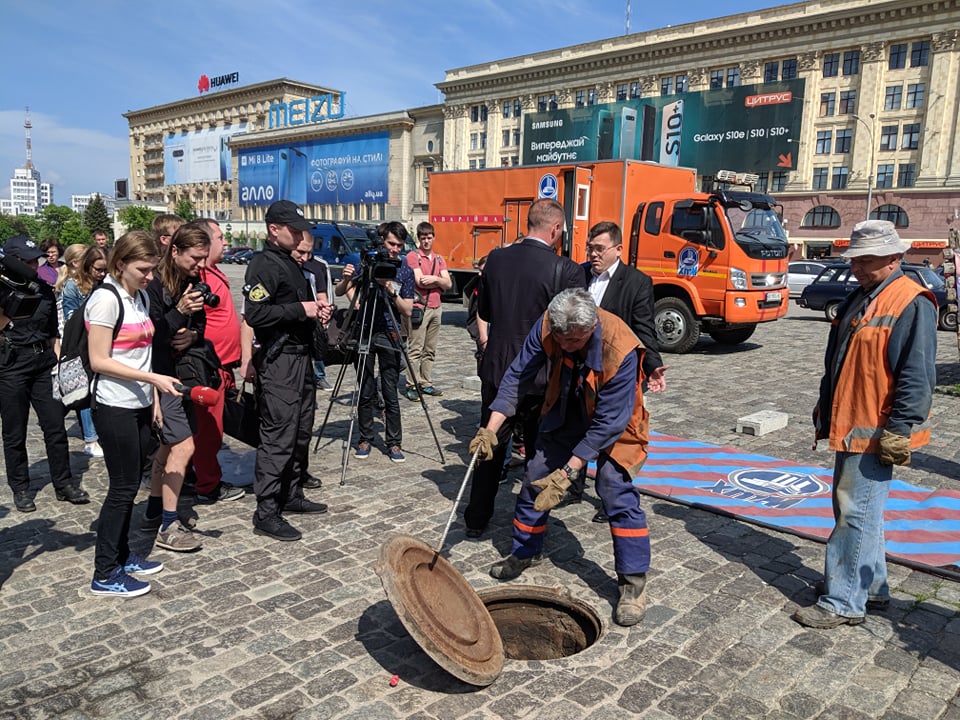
(564, 351)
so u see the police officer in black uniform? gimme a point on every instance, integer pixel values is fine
(26, 358)
(281, 309)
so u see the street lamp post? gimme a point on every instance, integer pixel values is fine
(873, 157)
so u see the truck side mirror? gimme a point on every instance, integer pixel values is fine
(701, 237)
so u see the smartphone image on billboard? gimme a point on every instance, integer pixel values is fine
(176, 171)
(604, 135)
(293, 176)
(628, 134)
(671, 130)
(224, 158)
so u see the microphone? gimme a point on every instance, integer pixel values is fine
(199, 394)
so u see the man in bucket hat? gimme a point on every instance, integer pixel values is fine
(874, 403)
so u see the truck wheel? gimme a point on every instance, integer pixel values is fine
(733, 336)
(948, 319)
(677, 329)
(830, 310)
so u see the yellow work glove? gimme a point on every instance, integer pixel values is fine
(894, 449)
(552, 488)
(486, 441)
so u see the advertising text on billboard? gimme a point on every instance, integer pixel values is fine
(199, 155)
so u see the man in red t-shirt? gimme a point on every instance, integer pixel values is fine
(432, 278)
(224, 331)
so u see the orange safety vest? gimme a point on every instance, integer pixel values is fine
(630, 449)
(864, 393)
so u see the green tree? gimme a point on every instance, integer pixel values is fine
(11, 225)
(74, 232)
(137, 217)
(185, 209)
(52, 219)
(95, 217)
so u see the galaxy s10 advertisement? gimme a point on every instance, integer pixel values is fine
(200, 155)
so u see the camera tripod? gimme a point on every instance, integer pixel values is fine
(368, 300)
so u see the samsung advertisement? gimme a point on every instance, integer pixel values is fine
(743, 128)
(199, 156)
(318, 172)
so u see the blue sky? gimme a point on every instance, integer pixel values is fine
(79, 66)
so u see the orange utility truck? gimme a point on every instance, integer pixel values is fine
(718, 260)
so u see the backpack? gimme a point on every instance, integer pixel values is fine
(74, 381)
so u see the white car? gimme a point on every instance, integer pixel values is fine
(801, 273)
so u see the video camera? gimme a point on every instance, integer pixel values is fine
(376, 263)
(19, 288)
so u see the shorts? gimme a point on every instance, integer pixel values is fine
(179, 419)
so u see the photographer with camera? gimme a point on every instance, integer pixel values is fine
(381, 289)
(177, 298)
(281, 308)
(27, 354)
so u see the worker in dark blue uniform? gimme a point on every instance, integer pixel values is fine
(281, 308)
(592, 411)
(26, 358)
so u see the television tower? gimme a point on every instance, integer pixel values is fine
(26, 126)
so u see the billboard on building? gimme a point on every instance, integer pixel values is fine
(743, 128)
(328, 171)
(199, 155)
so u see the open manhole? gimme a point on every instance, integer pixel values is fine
(538, 623)
(469, 634)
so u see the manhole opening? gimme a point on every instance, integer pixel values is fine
(539, 623)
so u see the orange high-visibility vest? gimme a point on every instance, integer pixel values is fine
(864, 393)
(630, 449)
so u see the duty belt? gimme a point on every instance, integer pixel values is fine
(295, 350)
(38, 347)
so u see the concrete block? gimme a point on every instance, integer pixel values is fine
(762, 422)
(471, 383)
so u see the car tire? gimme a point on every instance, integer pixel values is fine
(948, 320)
(677, 328)
(830, 310)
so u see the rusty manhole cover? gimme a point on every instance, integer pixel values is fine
(441, 610)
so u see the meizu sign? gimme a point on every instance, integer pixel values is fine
(306, 111)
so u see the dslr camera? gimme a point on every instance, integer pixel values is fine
(19, 288)
(376, 263)
(210, 298)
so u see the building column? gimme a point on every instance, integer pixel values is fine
(938, 165)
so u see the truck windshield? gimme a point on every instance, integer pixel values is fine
(757, 230)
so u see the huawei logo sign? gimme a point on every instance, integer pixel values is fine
(203, 85)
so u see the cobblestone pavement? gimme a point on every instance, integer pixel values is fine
(249, 627)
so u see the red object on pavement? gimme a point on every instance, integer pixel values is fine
(394, 680)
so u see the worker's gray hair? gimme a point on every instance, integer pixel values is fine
(572, 309)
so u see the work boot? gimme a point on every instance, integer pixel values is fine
(632, 605)
(304, 506)
(512, 567)
(275, 526)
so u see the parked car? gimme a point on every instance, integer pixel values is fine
(801, 273)
(835, 282)
(230, 253)
(242, 257)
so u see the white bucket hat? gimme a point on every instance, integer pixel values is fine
(875, 237)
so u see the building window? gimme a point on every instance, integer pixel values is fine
(831, 64)
(579, 99)
(911, 137)
(542, 103)
(481, 163)
(716, 79)
(517, 108)
(762, 182)
(515, 160)
(504, 162)
(908, 175)
(820, 175)
(822, 216)
(778, 181)
(839, 179)
(473, 164)
(771, 72)
(621, 92)
(506, 138)
(827, 102)
(634, 90)
(516, 136)
(483, 113)
(553, 103)
(843, 141)
(506, 108)
(898, 56)
(733, 77)
(483, 141)
(851, 62)
(888, 137)
(666, 86)
(681, 83)
(893, 97)
(789, 69)
(892, 213)
(473, 141)
(920, 54)
(592, 94)
(848, 102)
(885, 176)
(475, 113)
(915, 95)
(824, 141)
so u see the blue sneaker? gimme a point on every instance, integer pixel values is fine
(141, 566)
(396, 455)
(119, 584)
(363, 450)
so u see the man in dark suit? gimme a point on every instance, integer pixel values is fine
(517, 284)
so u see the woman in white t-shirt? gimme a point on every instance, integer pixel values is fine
(126, 406)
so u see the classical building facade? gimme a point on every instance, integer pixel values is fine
(879, 113)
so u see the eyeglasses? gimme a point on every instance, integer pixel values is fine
(597, 249)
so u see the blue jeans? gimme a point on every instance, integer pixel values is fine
(319, 370)
(86, 425)
(855, 567)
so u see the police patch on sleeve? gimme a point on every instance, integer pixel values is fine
(258, 293)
